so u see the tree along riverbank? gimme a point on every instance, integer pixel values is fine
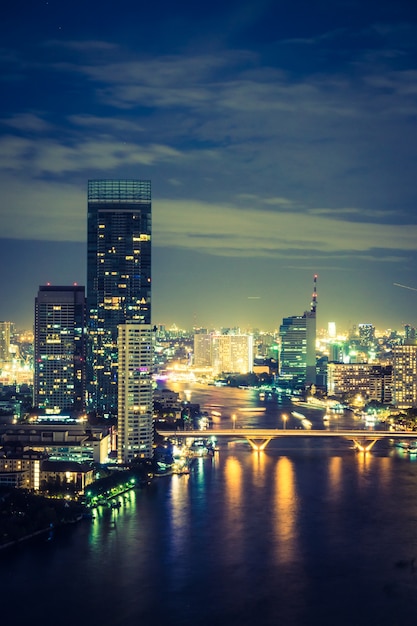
(24, 515)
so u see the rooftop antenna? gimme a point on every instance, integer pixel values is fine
(313, 308)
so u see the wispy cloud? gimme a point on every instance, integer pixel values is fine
(262, 233)
(29, 122)
(50, 157)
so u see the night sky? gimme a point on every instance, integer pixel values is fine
(280, 139)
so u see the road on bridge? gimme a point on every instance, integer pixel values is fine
(259, 438)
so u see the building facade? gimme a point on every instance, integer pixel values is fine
(60, 349)
(366, 334)
(297, 347)
(373, 382)
(5, 333)
(203, 350)
(224, 353)
(118, 277)
(297, 359)
(135, 392)
(404, 375)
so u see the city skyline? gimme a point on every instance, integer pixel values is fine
(279, 141)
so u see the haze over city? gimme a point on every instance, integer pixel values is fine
(279, 139)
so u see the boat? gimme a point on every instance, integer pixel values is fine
(252, 409)
(410, 447)
(299, 416)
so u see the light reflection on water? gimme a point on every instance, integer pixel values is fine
(285, 504)
(300, 534)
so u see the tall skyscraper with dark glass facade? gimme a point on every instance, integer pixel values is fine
(60, 349)
(118, 277)
(297, 359)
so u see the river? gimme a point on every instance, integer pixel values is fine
(307, 532)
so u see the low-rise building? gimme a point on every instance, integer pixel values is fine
(373, 382)
(64, 442)
(32, 470)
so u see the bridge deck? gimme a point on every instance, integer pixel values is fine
(273, 433)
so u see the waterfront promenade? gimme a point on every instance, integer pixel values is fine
(259, 438)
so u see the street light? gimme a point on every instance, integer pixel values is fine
(284, 419)
(234, 421)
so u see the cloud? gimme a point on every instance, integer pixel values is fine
(48, 210)
(263, 233)
(107, 124)
(51, 157)
(27, 122)
(42, 210)
(253, 150)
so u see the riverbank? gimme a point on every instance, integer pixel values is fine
(24, 516)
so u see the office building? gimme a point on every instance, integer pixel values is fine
(118, 277)
(60, 349)
(373, 382)
(232, 354)
(202, 350)
(135, 393)
(59, 440)
(366, 334)
(5, 333)
(224, 353)
(404, 375)
(297, 358)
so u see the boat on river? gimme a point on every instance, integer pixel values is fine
(410, 447)
(304, 421)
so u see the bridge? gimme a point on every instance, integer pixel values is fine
(258, 438)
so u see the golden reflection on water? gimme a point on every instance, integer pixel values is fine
(364, 462)
(335, 475)
(233, 477)
(286, 510)
(381, 477)
(384, 471)
(179, 521)
(258, 473)
(233, 522)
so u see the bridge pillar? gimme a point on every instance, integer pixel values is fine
(365, 445)
(258, 445)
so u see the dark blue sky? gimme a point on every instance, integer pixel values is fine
(280, 139)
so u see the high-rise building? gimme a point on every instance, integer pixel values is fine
(60, 349)
(366, 334)
(135, 392)
(231, 352)
(404, 375)
(118, 277)
(373, 382)
(297, 359)
(5, 332)
(202, 350)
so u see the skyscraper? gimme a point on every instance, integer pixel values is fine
(232, 353)
(404, 374)
(135, 392)
(60, 349)
(298, 347)
(5, 333)
(118, 277)
(366, 334)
